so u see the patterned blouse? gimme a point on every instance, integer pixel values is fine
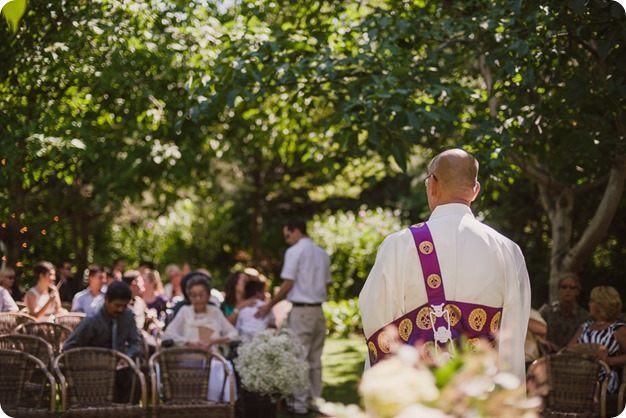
(606, 337)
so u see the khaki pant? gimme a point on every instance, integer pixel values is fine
(309, 324)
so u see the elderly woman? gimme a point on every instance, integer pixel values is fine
(7, 280)
(42, 300)
(202, 325)
(606, 329)
(7, 304)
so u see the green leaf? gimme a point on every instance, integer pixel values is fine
(13, 10)
(578, 6)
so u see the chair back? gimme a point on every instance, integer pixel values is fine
(572, 381)
(184, 374)
(9, 321)
(20, 372)
(53, 333)
(69, 319)
(87, 377)
(30, 344)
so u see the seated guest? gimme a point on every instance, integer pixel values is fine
(173, 290)
(113, 326)
(202, 325)
(8, 281)
(67, 285)
(564, 316)
(42, 300)
(234, 299)
(133, 279)
(153, 294)
(90, 300)
(605, 328)
(7, 304)
(248, 324)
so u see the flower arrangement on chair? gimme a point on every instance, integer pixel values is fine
(467, 385)
(273, 365)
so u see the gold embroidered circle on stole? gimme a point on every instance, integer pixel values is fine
(384, 342)
(455, 314)
(405, 328)
(419, 225)
(426, 247)
(423, 318)
(434, 281)
(477, 319)
(495, 322)
(373, 351)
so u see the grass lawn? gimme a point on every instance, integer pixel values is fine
(342, 362)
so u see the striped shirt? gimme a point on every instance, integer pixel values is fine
(606, 337)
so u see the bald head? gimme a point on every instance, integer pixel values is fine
(456, 173)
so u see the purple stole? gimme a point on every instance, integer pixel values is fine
(438, 324)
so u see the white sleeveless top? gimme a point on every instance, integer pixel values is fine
(41, 301)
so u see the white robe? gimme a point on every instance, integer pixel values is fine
(478, 265)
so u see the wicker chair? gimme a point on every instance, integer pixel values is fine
(55, 334)
(30, 344)
(572, 381)
(87, 380)
(615, 403)
(9, 321)
(19, 374)
(184, 380)
(69, 319)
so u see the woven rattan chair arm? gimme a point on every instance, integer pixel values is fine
(603, 388)
(228, 373)
(53, 390)
(153, 379)
(62, 383)
(140, 376)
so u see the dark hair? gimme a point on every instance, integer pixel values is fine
(146, 264)
(296, 223)
(118, 291)
(253, 287)
(184, 282)
(198, 279)
(94, 269)
(42, 267)
(230, 295)
(130, 276)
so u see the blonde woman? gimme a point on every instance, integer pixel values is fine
(606, 329)
(7, 280)
(153, 295)
(42, 300)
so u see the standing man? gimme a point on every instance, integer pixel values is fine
(112, 327)
(90, 300)
(450, 277)
(306, 276)
(564, 316)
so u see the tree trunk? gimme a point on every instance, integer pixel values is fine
(559, 201)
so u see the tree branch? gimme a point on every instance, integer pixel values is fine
(603, 216)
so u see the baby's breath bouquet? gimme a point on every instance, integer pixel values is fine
(273, 364)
